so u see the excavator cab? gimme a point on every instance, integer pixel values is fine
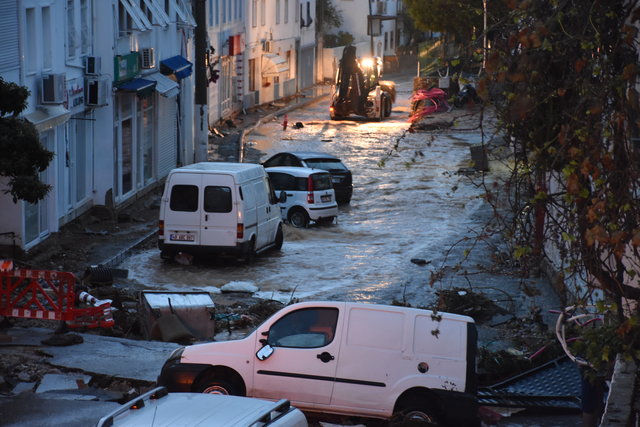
(371, 68)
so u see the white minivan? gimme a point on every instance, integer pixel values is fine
(310, 195)
(352, 359)
(220, 208)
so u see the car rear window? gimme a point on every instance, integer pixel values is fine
(217, 199)
(321, 181)
(326, 164)
(184, 198)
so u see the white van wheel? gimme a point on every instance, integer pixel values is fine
(419, 415)
(417, 410)
(250, 251)
(279, 239)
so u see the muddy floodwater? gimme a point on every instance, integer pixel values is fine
(408, 202)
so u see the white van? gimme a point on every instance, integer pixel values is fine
(352, 359)
(221, 208)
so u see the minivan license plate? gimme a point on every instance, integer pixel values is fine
(325, 198)
(182, 237)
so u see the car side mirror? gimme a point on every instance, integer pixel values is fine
(264, 352)
(283, 197)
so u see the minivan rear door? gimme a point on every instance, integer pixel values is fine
(181, 208)
(219, 213)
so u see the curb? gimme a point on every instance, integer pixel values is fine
(120, 256)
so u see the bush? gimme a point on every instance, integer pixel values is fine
(341, 39)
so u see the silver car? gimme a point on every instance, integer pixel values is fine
(158, 408)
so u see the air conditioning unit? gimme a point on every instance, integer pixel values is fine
(96, 92)
(147, 58)
(52, 88)
(92, 65)
(267, 46)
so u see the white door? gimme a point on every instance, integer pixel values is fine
(219, 215)
(302, 367)
(263, 213)
(181, 206)
(36, 215)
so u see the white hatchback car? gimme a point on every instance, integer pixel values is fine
(310, 194)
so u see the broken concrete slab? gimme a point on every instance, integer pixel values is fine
(116, 357)
(63, 382)
(23, 387)
(33, 411)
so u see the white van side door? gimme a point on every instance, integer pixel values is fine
(268, 214)
(302, 367)
(219, 211)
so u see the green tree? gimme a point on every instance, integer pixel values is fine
(327, 16)
(23, 156)
(458, 18)
(563, 77)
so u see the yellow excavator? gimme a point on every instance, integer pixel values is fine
(358, 89)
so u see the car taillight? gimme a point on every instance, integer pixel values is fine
(240, 231)
(310, 190)
(161, 229)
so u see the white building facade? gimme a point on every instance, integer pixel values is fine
(279, 49)
(111, 96)
(372, 23)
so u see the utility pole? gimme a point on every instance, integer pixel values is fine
(371, 28)
(201, 116)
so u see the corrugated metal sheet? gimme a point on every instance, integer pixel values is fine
(555, 384)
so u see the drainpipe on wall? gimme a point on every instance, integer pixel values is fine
(201, 116)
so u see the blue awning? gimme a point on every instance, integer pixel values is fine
(137, 85)
(177, 65)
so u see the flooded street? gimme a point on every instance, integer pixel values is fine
(407, 203)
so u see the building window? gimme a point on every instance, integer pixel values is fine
(263, 12)
(386, 41)
(254, 13)
(277, 12)
(71, 30)
(252, 75)
(297, 6)
(30, 35)
(124, 20)
(224, 11)
(85, 33)
(145, 10)
(286, 11)
(47, 50)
